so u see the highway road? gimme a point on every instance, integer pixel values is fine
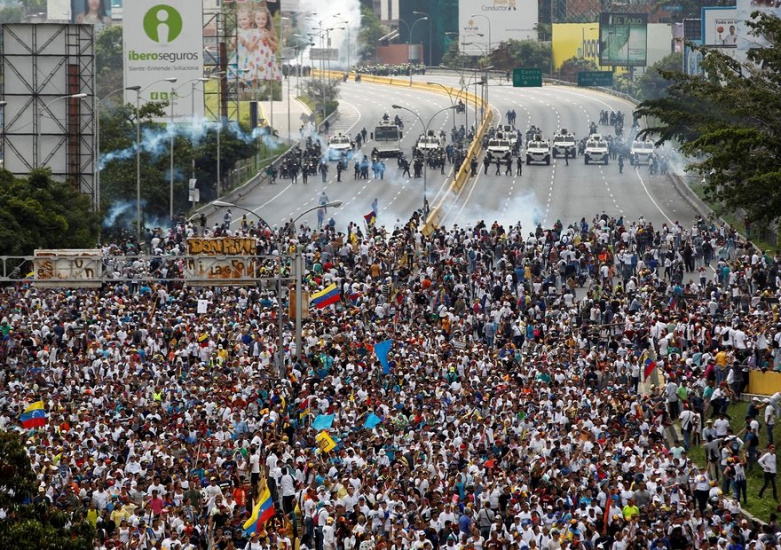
(543, 194)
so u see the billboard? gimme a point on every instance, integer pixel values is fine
(68, 268)
(497, 21)
(164, 40)
(221, 260)
(575, 40)
(720, 27)
(91, 12)
(747, 39)
(43, 67)
(623, 39)
(58, 10)
(252, 37)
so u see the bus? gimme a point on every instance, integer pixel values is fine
(387, 139)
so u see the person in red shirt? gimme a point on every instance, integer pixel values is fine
(155, 503)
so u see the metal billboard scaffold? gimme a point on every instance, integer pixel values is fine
(47, 78)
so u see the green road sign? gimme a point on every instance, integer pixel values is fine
(527, 78)
(595, 78)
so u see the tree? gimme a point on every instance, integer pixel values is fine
(653, 83)
(38, 212)
(569, 69)
(369, 35)
(191, 144)
(33, 522)
(319, 90)
(522, 53)
(727, 123)
(109, 62)
(10, 14)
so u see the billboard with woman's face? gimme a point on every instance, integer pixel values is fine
(91, 12)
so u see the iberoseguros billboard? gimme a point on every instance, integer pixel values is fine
(164, 39)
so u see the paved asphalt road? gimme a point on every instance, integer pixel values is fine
(542, 194)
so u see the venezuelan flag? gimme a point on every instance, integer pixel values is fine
(649, 367)
(326, 297)
(261, 513)
(34, 416)
(371, 218)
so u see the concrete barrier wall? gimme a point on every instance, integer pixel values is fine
(764, 383)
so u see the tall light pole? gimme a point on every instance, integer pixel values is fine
(322, 58)
(138, 90)
(489, 28)
(425, 133)
(2, 106)
(453, 100)
(219, 76)
(195, 81)
(426, 17)
(485, 84)
(45, 108)
(278, 242)
(97, 143)
(171, 148)
(410, 30)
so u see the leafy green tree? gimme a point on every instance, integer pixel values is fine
(653, 83)
(33, 523)
(109, 62)
(38, 212)
(369, 35)
(569, 69)
(727, 123)
(318, 90)
(522, 53)
(34, 6)
(191, 145)
(10, 14)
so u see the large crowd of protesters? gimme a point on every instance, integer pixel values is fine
(514, 413)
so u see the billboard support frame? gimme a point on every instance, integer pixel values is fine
(61, 60)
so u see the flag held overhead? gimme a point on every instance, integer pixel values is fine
(323, 298)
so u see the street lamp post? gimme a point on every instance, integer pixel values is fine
(45, 108)
(138, 90)
(322, 58)
(489, 28)
(219, 76)
(171, 173)
(486, 69)
(195, 81)
(453, 101)
(281, 370)
(99, 102)
(2, 106)
(425, 133)
(423, 13)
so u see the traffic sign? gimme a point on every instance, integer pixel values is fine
(595, 78)
(677, 7)
(527, 78)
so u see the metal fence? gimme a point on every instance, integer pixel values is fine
(96, 269)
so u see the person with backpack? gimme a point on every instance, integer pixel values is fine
(485, 519)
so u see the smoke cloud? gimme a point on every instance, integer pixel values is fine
(343, 17)
(523, 208)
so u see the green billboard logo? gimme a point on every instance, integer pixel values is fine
(163, 24)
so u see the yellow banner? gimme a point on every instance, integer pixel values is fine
(227, 246)
(575, 40)
(325, 443)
